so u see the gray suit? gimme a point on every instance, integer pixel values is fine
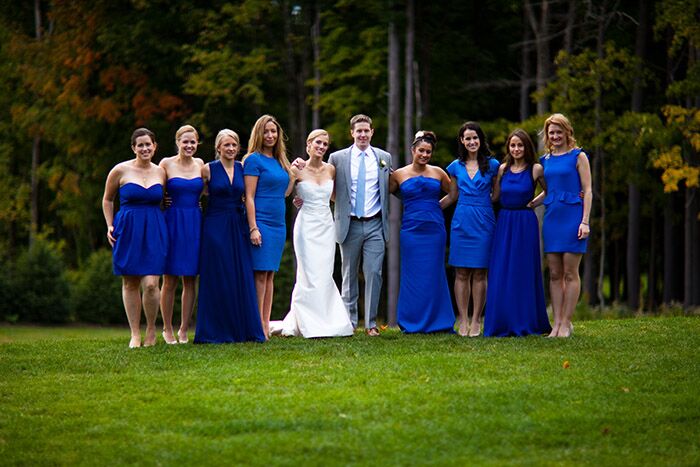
(361, 239)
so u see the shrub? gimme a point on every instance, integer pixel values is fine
(96, 292)
(38, 287)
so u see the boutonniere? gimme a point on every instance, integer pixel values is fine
(382, 163)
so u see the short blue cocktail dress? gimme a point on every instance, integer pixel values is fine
(184, 221)
(269, 209)
(139, 228)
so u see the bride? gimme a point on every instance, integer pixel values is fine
(317, 309)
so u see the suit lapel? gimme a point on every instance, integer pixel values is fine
(348, 170)
(382, 183)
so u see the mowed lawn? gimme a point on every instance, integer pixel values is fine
(620, 392)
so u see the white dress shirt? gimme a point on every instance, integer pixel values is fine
(372, 201)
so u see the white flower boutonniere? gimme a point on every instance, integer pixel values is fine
(382, 163)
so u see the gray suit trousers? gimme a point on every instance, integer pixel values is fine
(365, 241)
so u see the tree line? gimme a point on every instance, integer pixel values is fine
(76, 77)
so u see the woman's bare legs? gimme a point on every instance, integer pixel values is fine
(555, 263)
(479, 283)
(572, 290)
(188, 298)
(462, 296)
(151, 299)
(167, 300)
(132, 305)
(261, 291)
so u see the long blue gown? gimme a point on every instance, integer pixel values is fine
(140, 231)
(473, 220)
(424, 296)
(269, 209)
(184, 221)
(563, 204)
(227, 307)
(515, 296)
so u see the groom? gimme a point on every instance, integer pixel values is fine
(361, 217)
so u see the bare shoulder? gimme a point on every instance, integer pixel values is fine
(166, 161)
(330, 168)
(199, 161)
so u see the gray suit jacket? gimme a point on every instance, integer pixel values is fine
(343, 182)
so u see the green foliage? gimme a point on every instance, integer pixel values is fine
(38, 289)
(627, 395)
(96, 292)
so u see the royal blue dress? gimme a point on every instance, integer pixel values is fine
(184, 221)
(563, 204)
(139, 227)
(515, 296)
(269, 209)
(227, 308)
(424, 296)
(473, 220)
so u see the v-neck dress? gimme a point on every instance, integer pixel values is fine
(227, 309)
(473, 221)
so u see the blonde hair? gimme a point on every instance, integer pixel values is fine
(186, 129)
(316, 133)
(562, 121)
(223, 133)
(257, 137)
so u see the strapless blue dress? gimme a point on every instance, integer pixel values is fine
(139, 228)
(227, 308)
(184, 221)
(515, 296)
(424, 297)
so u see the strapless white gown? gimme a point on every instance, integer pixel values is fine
(316, 310)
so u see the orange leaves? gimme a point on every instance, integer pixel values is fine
(150, 102)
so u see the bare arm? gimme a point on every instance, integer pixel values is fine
(290, 185)
(584, 173)
(496, 191)
(451, 196)
(206, 177)
(111, 189)
(538, 175)
(251, 185)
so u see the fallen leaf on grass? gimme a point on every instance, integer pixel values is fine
(605, 430)
(624, 389)
(566, 364)
(384, 327)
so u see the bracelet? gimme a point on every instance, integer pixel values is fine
(584, 223)
(254, 229)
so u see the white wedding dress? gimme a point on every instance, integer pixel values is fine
(317, 310)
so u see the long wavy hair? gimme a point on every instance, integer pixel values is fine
(529, 155)
(483, 154)
(257, 137)
(562, 121)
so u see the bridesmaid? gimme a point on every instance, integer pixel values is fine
(137, 234)
(184, 221)
(227, 308)
(268, 180)
(424, 302)
(565, 227)
(473, 222)
(516, 307)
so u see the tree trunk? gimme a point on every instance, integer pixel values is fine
(633, 195)
(392, 145)
(540, 29)
(293, 125)
(651, 275)
(525, 70)
(408, 115)
(599, 167)
(670, 267)
(316, 45)
(36, 146)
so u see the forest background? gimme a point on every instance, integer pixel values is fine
(76, 77)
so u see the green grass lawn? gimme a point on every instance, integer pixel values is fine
(631, 395)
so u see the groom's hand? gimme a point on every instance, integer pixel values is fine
(297, 202)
